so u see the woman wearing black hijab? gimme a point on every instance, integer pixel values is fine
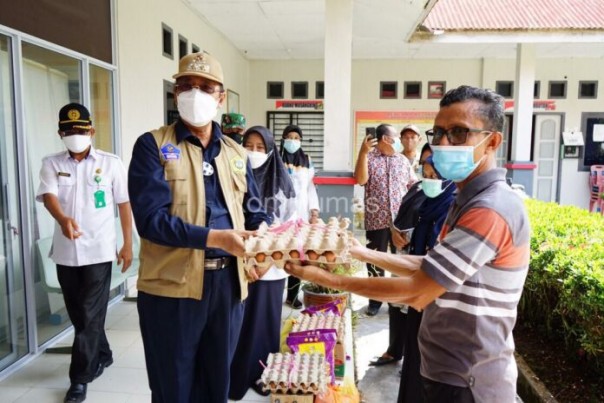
(301, 171)
(261, 325)
(430, 217)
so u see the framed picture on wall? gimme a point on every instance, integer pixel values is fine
(436, 89)
(232, 102)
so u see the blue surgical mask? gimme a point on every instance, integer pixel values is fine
(434, 187)
(397, 146)
(455, 162)
(291, 146)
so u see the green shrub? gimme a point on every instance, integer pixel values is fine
(564, 290)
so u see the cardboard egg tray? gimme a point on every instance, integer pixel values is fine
(319, 321)
(295, 373)
(298, 241)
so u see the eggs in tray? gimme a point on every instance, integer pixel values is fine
(320, 244)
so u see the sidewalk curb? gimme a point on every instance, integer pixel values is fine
(530, 388)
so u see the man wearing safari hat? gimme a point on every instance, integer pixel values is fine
(193, 195)
(80, 188)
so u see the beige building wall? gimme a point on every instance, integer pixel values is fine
(367, 75)
(262, 71)
(142, 69)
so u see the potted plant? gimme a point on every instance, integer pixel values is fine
(315, 294)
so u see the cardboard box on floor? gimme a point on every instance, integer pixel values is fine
(282, 398)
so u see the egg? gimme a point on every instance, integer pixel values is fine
(260, 257)
(294, 254)
(312, 255)
(277, 255)
(330, 256)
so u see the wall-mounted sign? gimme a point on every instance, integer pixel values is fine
(598, 133)
(299, 104)
(573, 138)
(546, 105)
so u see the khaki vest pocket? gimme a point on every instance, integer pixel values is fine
(164, 263)
(176, 175)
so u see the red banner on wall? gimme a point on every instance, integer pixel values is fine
(545, 105)
(299, 104)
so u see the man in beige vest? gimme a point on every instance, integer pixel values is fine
(193, 197)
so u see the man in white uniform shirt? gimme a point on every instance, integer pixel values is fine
(79, 187)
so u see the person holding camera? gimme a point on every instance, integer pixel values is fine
(386, 176)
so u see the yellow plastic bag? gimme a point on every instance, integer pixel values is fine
(286, 329)
(345, 393)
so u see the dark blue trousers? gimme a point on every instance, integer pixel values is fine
(189, 344)
(86, 294)
(259, 336)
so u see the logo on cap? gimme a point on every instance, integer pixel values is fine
(199, 64)
(73, 114)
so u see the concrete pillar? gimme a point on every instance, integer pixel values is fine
(520, 167)
(338, 80)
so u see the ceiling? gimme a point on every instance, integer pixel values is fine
(382, 29)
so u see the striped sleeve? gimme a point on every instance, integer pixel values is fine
(477, 238)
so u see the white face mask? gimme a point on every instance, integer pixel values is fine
(196, 107)
(291, 146)
(257, 159)
(77, 143)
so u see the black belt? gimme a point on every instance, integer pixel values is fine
(218, 263)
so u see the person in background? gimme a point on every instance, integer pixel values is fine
(194, 199)
(261, 326)
(80, 188)
(386, 176)
(233, 125)
(301, 171)
(401, 230)
(410, 137)
(470, 283)
(431, 217)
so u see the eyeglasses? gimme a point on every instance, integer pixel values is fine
(455, 135)
(205, 87)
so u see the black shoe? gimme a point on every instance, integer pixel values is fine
(296, 304)
(102, 365)
(76, 393)
(379, 361)
(372, 310)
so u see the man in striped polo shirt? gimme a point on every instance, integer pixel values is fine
(469, 285)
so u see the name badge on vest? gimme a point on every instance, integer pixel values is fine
(208, 169)
(170, 152)
(99, 199)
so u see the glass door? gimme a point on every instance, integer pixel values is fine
(13, 325)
